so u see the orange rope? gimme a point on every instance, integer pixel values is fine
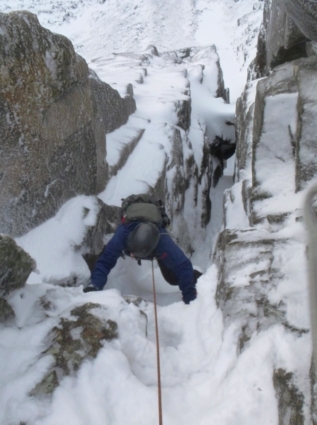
(157, 353)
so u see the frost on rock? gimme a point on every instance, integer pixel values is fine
(262, 279)
(288, 32)
(304, 13)
(54, 118)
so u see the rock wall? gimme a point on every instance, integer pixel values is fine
(54, 115)
(304, 14)
(188, 190)
(288, 32)
(260, 282)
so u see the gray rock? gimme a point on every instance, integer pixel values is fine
(108, 219)
(313, 380)
(295, 78)
(305, 139)
(304, 14)
(244, 129)
(15, 265)
(281, 38)
(236, 252)
(72, 342)
(275, 129)
(248, 270)
(290, 400)
(126, 152)
(54, 114)
(114, 111)
(6, 311)
(183, 110)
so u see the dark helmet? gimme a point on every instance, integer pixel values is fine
(143, 239)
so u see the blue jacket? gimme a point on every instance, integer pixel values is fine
(167, 251)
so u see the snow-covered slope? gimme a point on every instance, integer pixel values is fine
(98, 28)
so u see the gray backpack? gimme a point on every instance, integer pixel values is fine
(144, 207)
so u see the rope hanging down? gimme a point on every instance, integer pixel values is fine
(157, 352)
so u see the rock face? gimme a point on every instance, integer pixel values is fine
(288, 32)
(304, 14)
(276, 151)
(54, 114)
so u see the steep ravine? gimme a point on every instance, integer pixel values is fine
(259, 255)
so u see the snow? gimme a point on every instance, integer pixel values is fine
(276, 145)
(204, 379)
(189, 337)
(53, 244)
(94, 25)
(122, 137)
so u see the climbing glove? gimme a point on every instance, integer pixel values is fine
(189, 295)
(90, 288)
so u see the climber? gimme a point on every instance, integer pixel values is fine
(144, 240)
